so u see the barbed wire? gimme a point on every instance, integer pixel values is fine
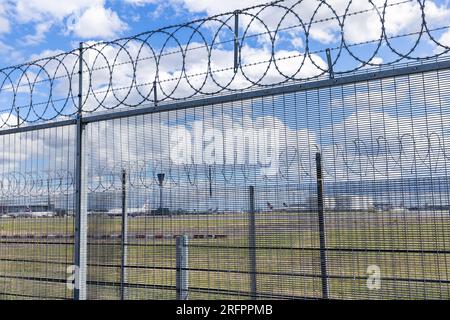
(358, 159)
(36, 183)
(257, 47)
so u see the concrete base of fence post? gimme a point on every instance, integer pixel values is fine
(182, 265)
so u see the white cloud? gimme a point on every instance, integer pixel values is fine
(364, 26)
(41, 30)
(212, 7)
(20, 150)
(444, 39)
(8, 119)
(46, 54)
(4, 21)
(196, 76)
(97, 22)
(140, 2)
(9, 53)
(374, 145)
(39, 10)
(83, 18)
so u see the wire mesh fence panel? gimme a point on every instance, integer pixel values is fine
(383, 203)
(36, 204)
(386, 169)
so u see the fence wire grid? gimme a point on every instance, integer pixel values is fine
(233, 157)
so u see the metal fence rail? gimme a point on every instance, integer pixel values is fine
(271, 172)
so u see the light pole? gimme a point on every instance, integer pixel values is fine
(48, 195)
(210, 181)
(161, 177)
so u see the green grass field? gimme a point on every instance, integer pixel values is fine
(410, 250)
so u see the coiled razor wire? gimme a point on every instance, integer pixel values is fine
(261, 46)
(358, 159)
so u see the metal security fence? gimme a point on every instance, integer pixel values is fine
(36, 209)
(240, 156)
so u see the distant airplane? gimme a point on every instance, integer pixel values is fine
(27, 214)
(130, 211)
(42, 214)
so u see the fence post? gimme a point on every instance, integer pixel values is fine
(18, 116)
(252, 243)
(182, 265)
(80, 243)
(330, 63)
(48, 195)
(124, 235)
(236, 41)
(320, 209)
(155, 93)
(161, 177)
(210, 181)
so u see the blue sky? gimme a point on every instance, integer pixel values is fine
(30, 28)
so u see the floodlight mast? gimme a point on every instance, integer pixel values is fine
(161, 177)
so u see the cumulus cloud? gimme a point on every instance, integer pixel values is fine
(444, 39)
(131, 86)
(36, 152)
(364, 26)
(41, 30)
(140, 2)
(4, 21)
(39, 10)
(212, 7)
(97, 22)
(9, 53)
(83, 18)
